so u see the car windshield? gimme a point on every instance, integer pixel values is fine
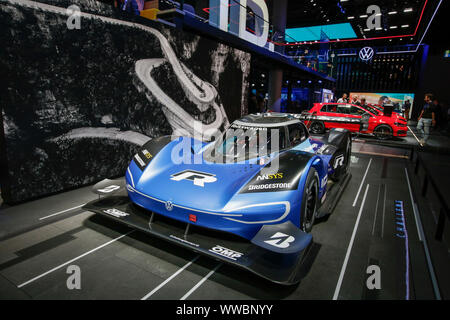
(372, 109)
(241, 143)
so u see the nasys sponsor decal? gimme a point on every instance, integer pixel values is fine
(116, 213)
(227, 253)
(278, 175)
(147, 154)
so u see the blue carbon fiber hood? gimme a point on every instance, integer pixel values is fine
(159, 180)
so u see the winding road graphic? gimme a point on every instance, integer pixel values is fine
(199, 92)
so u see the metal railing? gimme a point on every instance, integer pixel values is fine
(428, 180)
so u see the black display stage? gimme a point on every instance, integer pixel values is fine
(41, 240)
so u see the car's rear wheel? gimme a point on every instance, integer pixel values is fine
(383, 132)
(317, 127)
(309, 201)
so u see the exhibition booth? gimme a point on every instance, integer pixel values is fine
(223, 150)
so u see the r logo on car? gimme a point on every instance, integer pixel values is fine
(199, 178)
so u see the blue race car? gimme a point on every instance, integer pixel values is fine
(249, 198)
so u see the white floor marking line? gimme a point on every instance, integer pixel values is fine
(74, 259)
(148, 295)
(413, 205)
(60, 212)
(376, 210)
(415, 136)
(424, 241)
(200, 282)
(349, 249)
(384, 211)
(362, 183)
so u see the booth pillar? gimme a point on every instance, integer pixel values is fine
(276, 73)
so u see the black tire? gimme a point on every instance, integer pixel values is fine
(340, 171)
(317, 127)
(310, 201)
(383, 132)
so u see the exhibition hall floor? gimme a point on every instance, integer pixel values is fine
(40, 239)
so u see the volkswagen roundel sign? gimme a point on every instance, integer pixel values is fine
(366, 53)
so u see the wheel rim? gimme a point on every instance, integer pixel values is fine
(316, 127)
(383, 133)
(310, 206)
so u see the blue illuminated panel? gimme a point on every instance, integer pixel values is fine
(331, 31)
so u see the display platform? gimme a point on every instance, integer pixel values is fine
(117, 262)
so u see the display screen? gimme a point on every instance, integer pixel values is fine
(383, 98)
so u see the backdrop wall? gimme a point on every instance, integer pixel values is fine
(76, 104)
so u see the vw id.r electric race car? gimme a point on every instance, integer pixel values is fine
(242, 199)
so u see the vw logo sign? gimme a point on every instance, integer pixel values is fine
(169, 206)
(366, 53)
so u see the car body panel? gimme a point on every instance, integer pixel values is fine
(331, 117)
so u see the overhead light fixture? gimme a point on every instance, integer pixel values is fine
(363, 16)
(405, 26)
(393, 27)
(392, 12)
(408, 10)
(351, 17)
(366, 30)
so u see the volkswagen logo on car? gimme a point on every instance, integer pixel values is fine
(169, 205)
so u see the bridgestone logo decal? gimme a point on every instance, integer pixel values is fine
(139, 160)
(270, 186)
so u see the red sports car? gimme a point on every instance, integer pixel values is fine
(363, 119)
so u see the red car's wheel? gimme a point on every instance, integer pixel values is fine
(317, 127)
(383, 132)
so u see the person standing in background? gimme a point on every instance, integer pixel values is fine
(363, 102)
(427, 118)
(344, 99)
(407, 109)
(355, 100)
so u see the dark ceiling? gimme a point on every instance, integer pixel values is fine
(402, 21)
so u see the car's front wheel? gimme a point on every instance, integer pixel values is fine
(309, 201)
(383, 132)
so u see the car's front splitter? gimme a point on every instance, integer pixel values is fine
(275, 253)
